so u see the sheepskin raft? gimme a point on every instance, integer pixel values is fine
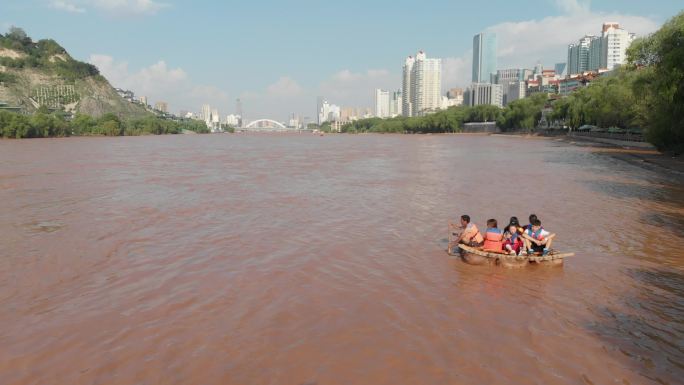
(477, 256)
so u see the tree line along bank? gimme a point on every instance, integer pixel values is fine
(44, 124)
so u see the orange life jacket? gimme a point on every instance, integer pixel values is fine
(493, 240)
(472, 234)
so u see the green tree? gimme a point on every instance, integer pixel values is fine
(523, 113)
(82, 125)
(449, 120)
(483, 113)
(109, 125)
(13, 125)
(658, 60)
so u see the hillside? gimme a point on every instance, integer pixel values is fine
(43, 73)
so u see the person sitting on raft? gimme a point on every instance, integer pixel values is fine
(533, 217)
(470, 234)
(517, 228)
(513, 240)
(493, 237)
(537, 239)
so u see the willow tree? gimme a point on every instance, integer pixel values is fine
(659, 59)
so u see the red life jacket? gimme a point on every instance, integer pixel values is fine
(493, 240)
(515, 242)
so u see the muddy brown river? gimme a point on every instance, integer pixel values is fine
(300, 259)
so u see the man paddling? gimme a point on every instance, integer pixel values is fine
(469, 233)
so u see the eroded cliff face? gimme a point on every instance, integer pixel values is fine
(31, 87)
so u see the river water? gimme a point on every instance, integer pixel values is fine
(300, 259)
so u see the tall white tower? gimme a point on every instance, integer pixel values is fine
(382, 103)
(426, 85)
(616, 41)
(406, 108)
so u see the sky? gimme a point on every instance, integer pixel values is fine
(278, 56)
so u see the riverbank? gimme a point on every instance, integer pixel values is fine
(639, 154)
(636, 153)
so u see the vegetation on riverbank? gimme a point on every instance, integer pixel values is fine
(449, 120)
(659, 58)
(646, 93)
(43, 124)
(45, 54)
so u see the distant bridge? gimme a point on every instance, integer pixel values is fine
(266, 125)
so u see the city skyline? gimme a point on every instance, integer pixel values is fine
(137, 47)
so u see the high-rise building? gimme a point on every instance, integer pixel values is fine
(319, 106)
(426, 85)
(294, 122)
(161, 106)
(597, 58)
(538, 69)
(233, 120)
(512, 75)
(382, 103)
(561, 69)
(328, 112)
(616, 41)
(484, 57)
(594, 53)
(395, 103)
(215, 117)
(238, 112)
(143, 100)
(406, 100)
(348, 114)
(421, 85)
(206, 112)
(573, 58)
(578, 55)
(506, 77)
(583, 58)
(514, 91)
(484, 93)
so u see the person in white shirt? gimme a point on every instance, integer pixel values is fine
(537, 240)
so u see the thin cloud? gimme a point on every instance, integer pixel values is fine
(573, 6)
(527, 42)
(130, 6)
(356, 88)
(159, 82)
(66, 6)
(116, 7)
(284, 87)
(456, 71)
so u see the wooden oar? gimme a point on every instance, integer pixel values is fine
(450, 228)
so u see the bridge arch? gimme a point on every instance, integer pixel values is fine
(255, 123)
